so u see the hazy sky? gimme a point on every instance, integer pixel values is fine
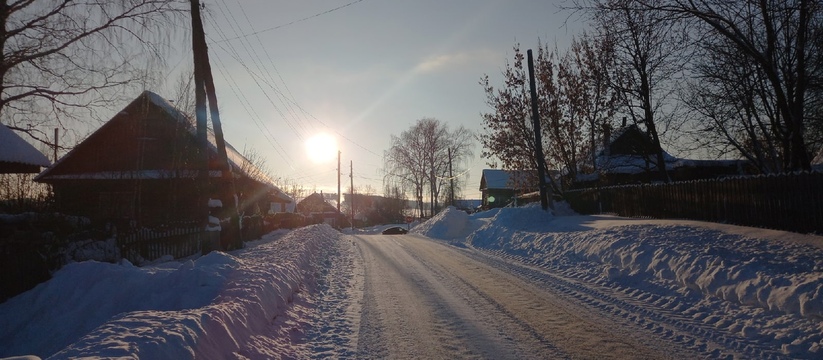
(288, 70)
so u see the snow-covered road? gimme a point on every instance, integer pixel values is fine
(424, 299)
(507, 283)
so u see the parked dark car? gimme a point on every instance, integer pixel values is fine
(395, 230)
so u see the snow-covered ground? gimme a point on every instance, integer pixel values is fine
(243, 304)
(296, 294)
(751, 283)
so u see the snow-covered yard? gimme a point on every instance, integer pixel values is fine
(295, 294)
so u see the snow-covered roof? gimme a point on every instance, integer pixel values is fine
(237, 161)
(632, 164)
(15, 150)
(500, 179)
(495, 178)
(135, 175)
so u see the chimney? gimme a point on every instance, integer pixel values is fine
(624, 122)
(607, 135)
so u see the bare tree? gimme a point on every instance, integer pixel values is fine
(649, 56)
(780, 38)
(734, 107)
(509, 129)
(293, 188)
(61, 61)
(419, 158)
(509, 135)
(404, 164)
(394, 206)
(19, 193)
(593, 58)
(570, 87)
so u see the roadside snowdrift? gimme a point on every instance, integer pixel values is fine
(448, 224)
(780, 277)
(210, 307)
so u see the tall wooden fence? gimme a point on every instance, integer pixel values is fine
(180, 242)
(792, 202)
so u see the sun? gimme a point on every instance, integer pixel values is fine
(321, 148)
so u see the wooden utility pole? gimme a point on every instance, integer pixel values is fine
(204, 85)
(351, 205)
(451, 179)
(203, 189)
(538, 142)
(338, 181)
(56, 138)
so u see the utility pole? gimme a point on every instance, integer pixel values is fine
(451, 178)
(56, 131)
(351, 205)
(338, 181)
(205, 81)
(203, 188)
(538, 142)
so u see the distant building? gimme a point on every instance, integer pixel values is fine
(141, 168)
(817, 161)
(319, 210)
(17, 156)
(628, 156)
(499, 188)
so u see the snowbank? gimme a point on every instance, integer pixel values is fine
(448, 224)
(209, 307)
(783, 278)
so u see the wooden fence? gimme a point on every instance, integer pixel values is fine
(180, 242)
(792, 202)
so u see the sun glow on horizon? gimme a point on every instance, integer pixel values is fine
(321, 148)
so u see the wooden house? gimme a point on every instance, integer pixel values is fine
(498, 188)
(628, 156)
(319, 210)
(141, 168)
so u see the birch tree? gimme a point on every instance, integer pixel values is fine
(419, 158)
(63, 60)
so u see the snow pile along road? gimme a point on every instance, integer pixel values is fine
(216, 306)
(763, 288)
(448, 224)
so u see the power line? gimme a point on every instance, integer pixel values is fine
(284, 99)
(287, 101)
(234, 54)
(293, 22)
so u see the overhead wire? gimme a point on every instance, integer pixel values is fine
(258, 62)
(294, 22)
(235, 88)
(257, 120)
(256, 77)
(268, 56)
(264, 76)
(289, 101)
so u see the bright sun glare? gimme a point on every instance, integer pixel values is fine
(321, 148)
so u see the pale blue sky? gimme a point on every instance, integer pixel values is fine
(361, 73)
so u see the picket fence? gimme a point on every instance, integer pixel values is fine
(151, 244)
(792, 202)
